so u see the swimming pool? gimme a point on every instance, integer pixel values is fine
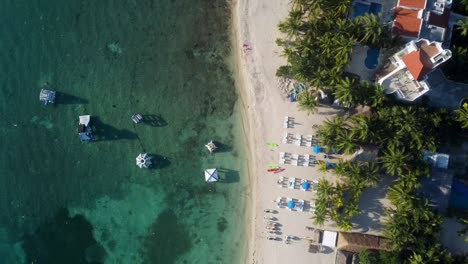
(375, 8)
(372, 59)
(459, 196)
(360, 9)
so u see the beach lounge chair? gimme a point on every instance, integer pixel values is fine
(286, 122)
(311, 207)
(298, 140)
(306, 160)
(279, 202)
(309, 141)
(285, 138)
(314, 185)
(300, 205)
(292, 183)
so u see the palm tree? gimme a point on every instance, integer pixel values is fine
(463, 26)
(394, 160)
(324, 192)
(464, 230)
(345, 92)
(370, 29)
(345, 141)
(462, 115)
(370, 173)
(400, 197)
(308, 102)
(292, 25)
(378, 95)
(360, 127)
(432, 255)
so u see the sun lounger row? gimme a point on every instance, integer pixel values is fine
(297, 160)
(296, 183)
(299, 140)
(288, 122)
(295, 204)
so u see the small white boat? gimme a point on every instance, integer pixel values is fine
(211, 146)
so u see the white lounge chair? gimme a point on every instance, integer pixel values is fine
(292, 183)
(298, 140)
(300, 205)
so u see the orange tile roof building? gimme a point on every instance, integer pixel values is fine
(416, 4)
(409, 18)
(410, 66)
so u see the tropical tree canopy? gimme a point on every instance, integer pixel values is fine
(462, 115)
(308, 102)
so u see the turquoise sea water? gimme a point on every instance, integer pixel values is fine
(63, 201)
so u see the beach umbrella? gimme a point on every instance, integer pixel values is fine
(291, 204)
(211, 175)
(317, 149)
(306, 185)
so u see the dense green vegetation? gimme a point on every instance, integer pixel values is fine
(318, 45)
(319, 39)
(339, 202)
(380, 256)
(455, 67)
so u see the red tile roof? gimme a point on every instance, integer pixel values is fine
(440, 20)
(421, 4)
(407, 22)
(418, 64)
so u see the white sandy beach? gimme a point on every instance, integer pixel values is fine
(266, 106)
(255, 25)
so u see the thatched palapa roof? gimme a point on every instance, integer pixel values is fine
(356, 242)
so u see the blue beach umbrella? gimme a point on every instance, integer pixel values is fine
(291, 204)
(317, 149)
(306, 186)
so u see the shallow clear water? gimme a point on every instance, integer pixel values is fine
(63, 201)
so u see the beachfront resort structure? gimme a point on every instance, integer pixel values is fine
(416, 19)
(406, 75)
(143, 160)
(85, 132)
(211, 175)
(47, 96)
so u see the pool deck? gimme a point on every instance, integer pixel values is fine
(357, 65)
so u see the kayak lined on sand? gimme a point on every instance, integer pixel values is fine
(273, 166)
(270, 170)
(271, 144)
(279, 170)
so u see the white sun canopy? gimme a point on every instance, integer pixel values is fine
(329, 238)
(211, 175)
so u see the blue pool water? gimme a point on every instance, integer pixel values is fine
(360, 9)
(459, 196)
(375, 8)
(372, 58)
